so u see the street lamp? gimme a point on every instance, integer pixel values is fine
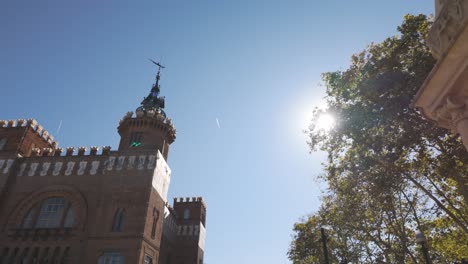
(421, 239)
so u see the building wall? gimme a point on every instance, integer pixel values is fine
(100, 188)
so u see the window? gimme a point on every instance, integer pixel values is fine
(35, 255)
(12, 258)
(66, 256)
(148, 260)
(28, 220)
(155, 221)
(45, 254)
(135, 139)
(69, 219)
(119, 220)
(55, 255)
(52, 212)
(24, 256)
(4, 255)
(186, 213)
(111, 257)
(3, 142)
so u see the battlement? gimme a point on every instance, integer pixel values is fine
(34, 125)
(149, 118)
(181, 201)
(71, 151)
(80, 164)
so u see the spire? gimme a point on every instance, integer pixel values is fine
(153, 101)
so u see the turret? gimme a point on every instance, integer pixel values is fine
(21, 137)
(149, 128)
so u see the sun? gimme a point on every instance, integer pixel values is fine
(325, 122)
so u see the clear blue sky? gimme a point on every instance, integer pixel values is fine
(254, 65)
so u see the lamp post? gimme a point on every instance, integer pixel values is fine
(324, 244)
(421, 239)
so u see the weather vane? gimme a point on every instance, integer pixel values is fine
(157, 64)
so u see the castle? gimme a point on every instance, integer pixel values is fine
(92, 206)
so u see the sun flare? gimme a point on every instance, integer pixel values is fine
(325, 122)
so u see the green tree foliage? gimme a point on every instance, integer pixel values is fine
(390, 172)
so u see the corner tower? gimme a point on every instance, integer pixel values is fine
(150, 129)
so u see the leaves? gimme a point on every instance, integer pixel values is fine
(389, 172)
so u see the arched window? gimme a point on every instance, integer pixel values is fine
(53, 212)
(28, 220)
(119, 220)
(69, 218)
(111, 257)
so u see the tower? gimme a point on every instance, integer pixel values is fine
(91, 206)
(151, 128)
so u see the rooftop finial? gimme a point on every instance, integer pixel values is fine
(158, 75)
(154, 102)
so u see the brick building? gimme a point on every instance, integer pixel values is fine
(96, 206)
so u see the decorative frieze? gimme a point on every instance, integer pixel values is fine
(45, 168)
(83, 166)
(6, 165)
(57, 168)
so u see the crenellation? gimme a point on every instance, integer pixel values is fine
(93, 150)
(46, 152)
(32, 123)
(39, 129)
(36, 152)
(45, 135)
(81, 151)
(106, 150)
(18, 123)
(58, 152)
(21, 122)
(70, 151)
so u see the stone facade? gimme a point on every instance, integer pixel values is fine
(91, 206)
(443, 97)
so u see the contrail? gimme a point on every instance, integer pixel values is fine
(217, 122)
(58, 129)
